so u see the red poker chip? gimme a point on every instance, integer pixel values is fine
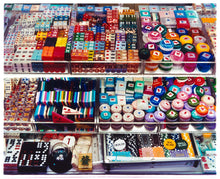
(199, 81)
(190, 81)
(178, 83)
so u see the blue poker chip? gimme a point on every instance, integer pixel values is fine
(165, 52)
(193, 87)
(105, 115)
(182, 31)
(166, 44)
(155, 100)
(159, 91)
(205, 56)
(150, 109)
(174, 88)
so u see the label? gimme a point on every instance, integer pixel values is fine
(181, 144)
(169, 144)
(119, 145)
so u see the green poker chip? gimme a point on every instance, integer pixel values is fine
(177, 45)
(170, 95)
(165, 69)
(199, 91)
(161, 29)
(182, 78)
(188, 48)
(193, 102)
(172, 114)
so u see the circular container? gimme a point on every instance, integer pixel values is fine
(159, 91)
(179, 83)
(211, 116)
(170, 96)
(177, 56)
(164, 105)
(184, 39)
(104, 107)
(204, 57)
(192, 102)
(160, 117)
(208, 100)
(105, 116)
(172, 36)
(155, 101)
(175, 89)
(177, 45)
(166, 65)
(202, 47)
(149, 117)
(199, 91)
(190, 57)
(144, 53)
(181, 31)
(177, 104)
(155, 56)
(116, 108)
(166, 46)
(128, 117)
(184, 116)
(197, 118)
(212, 107)
(139, 117)
(171, 116)
(202, 110)
(150, 109)
(116, 117)
(195, 96)
(182, 95)
(128, 108)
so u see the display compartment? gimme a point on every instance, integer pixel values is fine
(53, 153)
(206, 147)
(125, 153)
(154, 105)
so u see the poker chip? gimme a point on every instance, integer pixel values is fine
(199, 91)
(154, 37)
(190, 81)
(147, 28)
(184, 116)
(139, 116)
(212, 107)
(186, 39)
(188, 48)
(190, 56)
(199, 81)
(150, 109)
(202, 47)
(211, 116)
(159, 91)
(159, 116)
(184, 96)
(177, 45)
(177, 104)
(166, 46)
(201, 110)
(128, 117)
(115, 108)
(199, 39)
(182, 31)
(172, 36)
(164, 105)
(149, 117)
(204, 57)
(155, 101)
(144, 53)
(175, 89)
(127, 108)
(177, 56)
(155, 56)
(181, 79)
(170, 96)
(161, 29)
(166, 65)
(105, 117)
(178, 83)
(104, 107)
(193, 102)
(195, 96)
(116, 117)
(171, 115)
(151, 46)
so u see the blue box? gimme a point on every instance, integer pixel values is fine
(180, 14)
(81, 10)
(90, 8)
(113, 100)
(105, 8)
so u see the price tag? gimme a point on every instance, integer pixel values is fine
(169, 144)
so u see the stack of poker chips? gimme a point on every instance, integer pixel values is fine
(155, 56)
(166, 64)
(177, 56)
(188, 57)
(166, 46)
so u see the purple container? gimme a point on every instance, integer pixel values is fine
(211, 116)
(160, 117)
(187, 89)
(149, 117)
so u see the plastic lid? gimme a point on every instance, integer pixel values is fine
(172, 114)
(170, 95)
(166, 44)
(161, 29)
(172, 36)
(186, 39)
(177, 44)
(182, 31)
(193, 101)
(202, 110)
(105, 115)
(190, 81)
(159, 91)
(202, 47)
(200, 81)
(156, 55)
